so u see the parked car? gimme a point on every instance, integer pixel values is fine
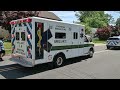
(113, 42)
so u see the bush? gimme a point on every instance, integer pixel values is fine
(105, 32)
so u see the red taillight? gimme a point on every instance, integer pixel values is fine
(12, 35)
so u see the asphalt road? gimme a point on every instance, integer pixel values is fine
(104, 65)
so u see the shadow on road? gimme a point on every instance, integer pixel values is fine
(24, 71)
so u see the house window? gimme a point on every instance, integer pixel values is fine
(60, 35)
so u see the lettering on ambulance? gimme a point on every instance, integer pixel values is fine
(39, 28)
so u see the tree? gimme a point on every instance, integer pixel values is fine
(118, 22)
(105, 32)
(7, 16)
(94, 19)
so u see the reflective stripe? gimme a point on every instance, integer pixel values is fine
(112, 42)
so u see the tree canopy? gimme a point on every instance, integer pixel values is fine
(7, 16)
(94, 19)
(118, 22)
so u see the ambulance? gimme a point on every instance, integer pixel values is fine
(38, 40)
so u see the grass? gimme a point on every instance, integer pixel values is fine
(7, 52)
(8, 46)
(97, 41)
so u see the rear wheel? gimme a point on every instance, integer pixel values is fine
(108, 47)
(91, 52)
(58, 61)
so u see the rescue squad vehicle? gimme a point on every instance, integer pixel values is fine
(38, 40)
(113, 42)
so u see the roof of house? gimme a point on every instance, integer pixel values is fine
(48, 15)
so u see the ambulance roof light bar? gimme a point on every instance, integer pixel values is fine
(21, 21)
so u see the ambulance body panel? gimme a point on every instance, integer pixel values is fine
(37, 40)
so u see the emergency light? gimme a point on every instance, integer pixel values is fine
(28, 20)
(21, 21)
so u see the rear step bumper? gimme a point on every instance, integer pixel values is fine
(22, 61)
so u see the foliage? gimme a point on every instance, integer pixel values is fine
(7, 16)
(118, 22)
(8, 47)
(105, 32)
(94, 19)
(99, 41)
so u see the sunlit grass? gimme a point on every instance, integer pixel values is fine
(7, 46)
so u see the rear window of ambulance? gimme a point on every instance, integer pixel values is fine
(17, 36)
(23, 36)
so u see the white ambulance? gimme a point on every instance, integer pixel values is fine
(38, 40)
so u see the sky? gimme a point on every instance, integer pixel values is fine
(69, 16)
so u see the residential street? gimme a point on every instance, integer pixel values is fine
(104, 65)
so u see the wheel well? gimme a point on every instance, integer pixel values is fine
(60, 54)
(92, 49)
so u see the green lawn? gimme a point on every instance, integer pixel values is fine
(8, 46)
(99, 41)
(7, 52)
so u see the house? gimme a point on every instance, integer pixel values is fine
(48, 15)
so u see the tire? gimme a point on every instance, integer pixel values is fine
(108, 47)
(91, 52)
(58, 61)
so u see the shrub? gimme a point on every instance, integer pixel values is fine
(105, 32)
